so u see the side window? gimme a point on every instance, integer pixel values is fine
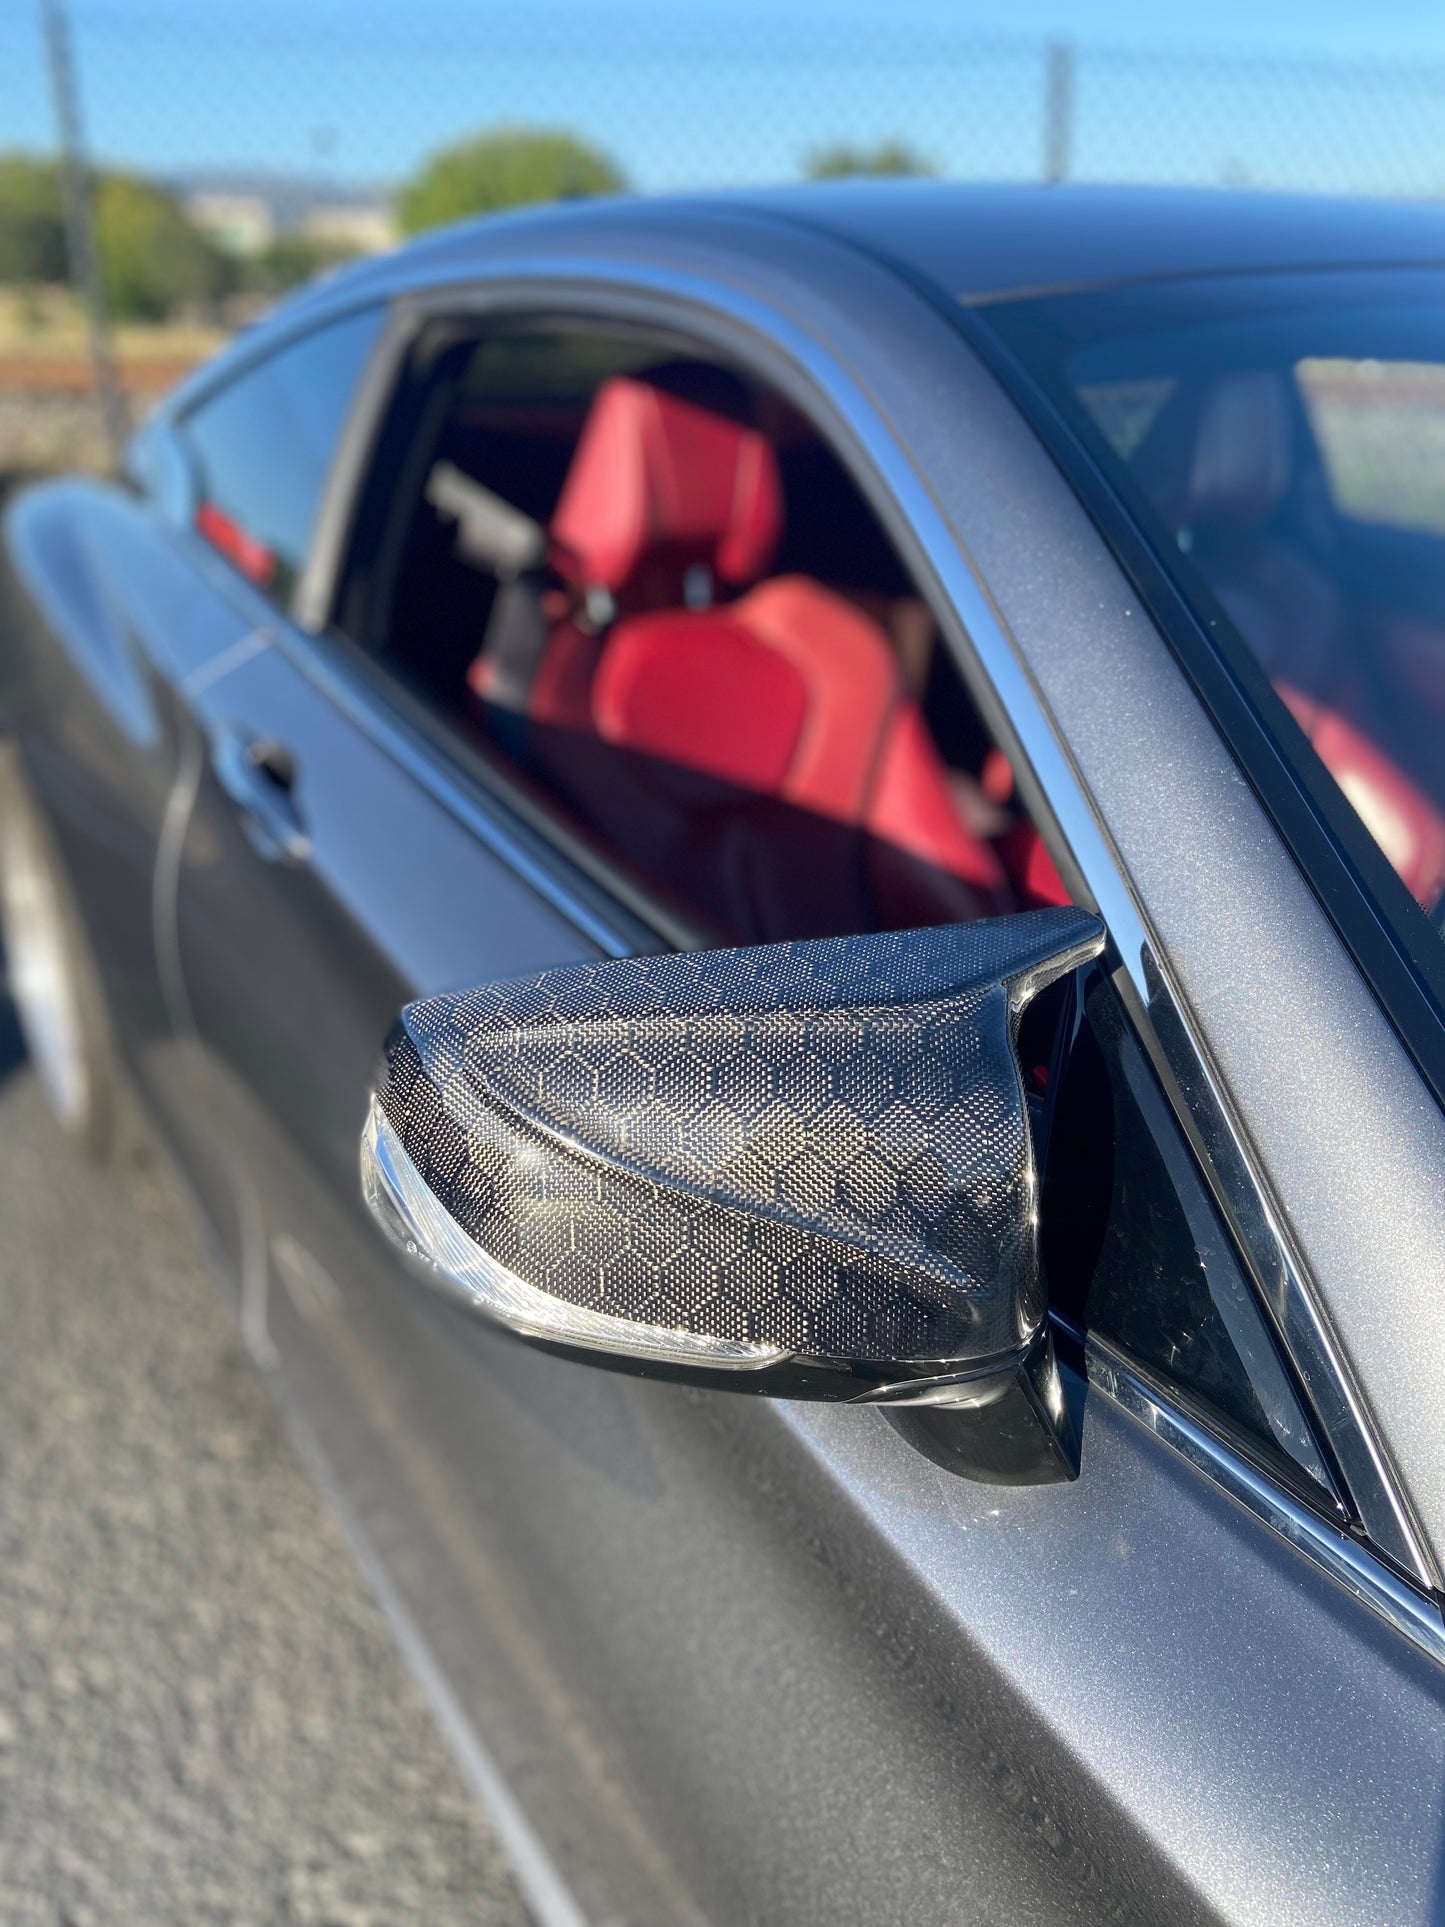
(644, 585)
(262, 446)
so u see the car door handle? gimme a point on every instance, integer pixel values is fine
(259, 776)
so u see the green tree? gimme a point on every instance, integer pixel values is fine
(505, 167)
(843, 161)
(288, 261)
(152, 258)
(32, 224)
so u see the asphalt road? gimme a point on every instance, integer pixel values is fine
(203, 1718)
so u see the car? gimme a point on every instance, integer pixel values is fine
(832, 794)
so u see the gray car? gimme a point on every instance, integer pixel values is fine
(777, 864)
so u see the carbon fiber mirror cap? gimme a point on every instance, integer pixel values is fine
(803, 1168)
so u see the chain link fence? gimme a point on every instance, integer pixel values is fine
(192, 162)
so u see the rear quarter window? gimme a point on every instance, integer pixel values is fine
(261, 449)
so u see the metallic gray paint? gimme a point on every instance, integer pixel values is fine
(970, 239)
(836, 1683)
(852, 375)
(1331, 1549)
(978, 241)
(104, 617)
(1327, 1101)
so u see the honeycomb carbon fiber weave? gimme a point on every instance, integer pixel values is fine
(821, 1148)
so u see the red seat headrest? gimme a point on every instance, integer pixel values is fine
(658, 484)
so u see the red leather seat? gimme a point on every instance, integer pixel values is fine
(1402, 820)
(1238, 482)
(659, 488)
(788, 694)
(793, 692)
(659, 485)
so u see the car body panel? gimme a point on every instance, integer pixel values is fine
(1324, 1094)
(1007, 525)
(978, 243)
(750, 1662)
(93, 694)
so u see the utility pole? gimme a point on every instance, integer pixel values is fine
(84, 258)
(1058, 110)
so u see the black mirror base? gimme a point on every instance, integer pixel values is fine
(1012, 1428)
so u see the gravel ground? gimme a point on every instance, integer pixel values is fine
(202, 1716)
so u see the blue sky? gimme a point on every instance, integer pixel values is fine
(1328, 93)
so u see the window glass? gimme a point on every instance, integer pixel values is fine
(1285, 437)
(1136, 1254)
(645, 587)
(1380, 426)
(642, 587)
(262, 448)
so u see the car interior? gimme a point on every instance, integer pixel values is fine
(648, 589)
(1343, 615)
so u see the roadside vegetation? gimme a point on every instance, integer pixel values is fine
(174, 291)
(156, 263)
(844, 161)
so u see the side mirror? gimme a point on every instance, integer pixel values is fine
(804, 1169)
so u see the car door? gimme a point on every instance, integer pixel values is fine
(114, 623)
(180, 585)
(309, 912)
(739, 1661)
(133, 599)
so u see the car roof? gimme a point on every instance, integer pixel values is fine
(986, 242)
(978, 242)
(973, 242)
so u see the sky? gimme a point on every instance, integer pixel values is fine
(1313, 93)
(1399, 27)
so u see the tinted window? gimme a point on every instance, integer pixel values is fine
(1136, 1252)
(1284, 440)
(642, 584)
(263, 446)
(620, 644)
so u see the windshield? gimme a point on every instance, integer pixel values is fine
(1284, 438)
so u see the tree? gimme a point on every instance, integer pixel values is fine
(290, 260)
(506, 167)
(843, 161)
(32, 223)
(152, 258)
